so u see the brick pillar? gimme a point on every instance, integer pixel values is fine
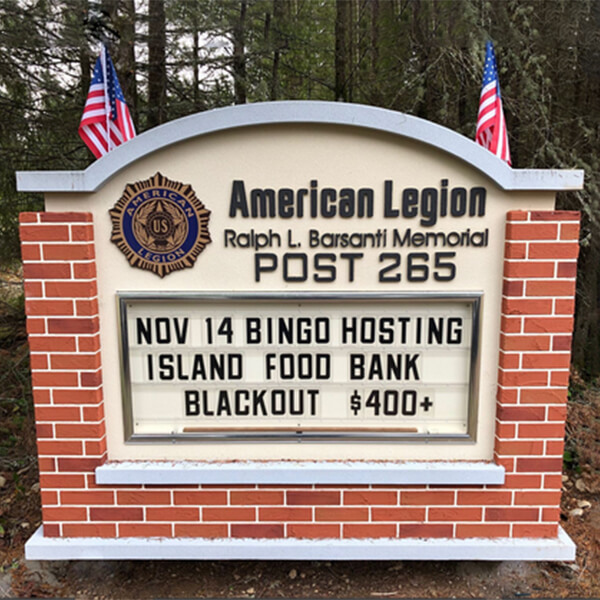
(59, 271)
(540, 268)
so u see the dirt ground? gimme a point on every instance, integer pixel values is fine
(20, 516)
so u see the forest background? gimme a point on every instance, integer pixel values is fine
(421, 57)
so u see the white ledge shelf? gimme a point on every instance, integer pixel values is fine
(288, 472)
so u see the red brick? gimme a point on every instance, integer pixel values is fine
(82, 233)
(78, 464)
(553, 250)
(41, 397)
(546, 361)
(84, 270)
(532, 530)
(46, 464)
(95, 448)
(87, 497)
(564, 307)
(522, 378)
(226, 513)
(285, 513)
(549, 325)
(559, 378)
(30, 252)
(47, 271)
(80, 430)
(93, 413)
(371, 498)
(201, 530)
(143, 497)
(89, 343)
(566, 269)
(64, 513)
(35, 326)
(28, 217)
(513, 288)
(425, 530)
(51, 530)
(54, 379)
(505, 430)
(69, 252)
(521, 481)
(539, 465)
(51, 344)
(555, 447)
(200, 497)
(116, 513)
(551, 514)
(542, 430)
(527, 231)
(482, 530)
(395, 513)
(145, 530)
(545, 396)
(505, 396)
(515, 250)
(316, 498)
(521, 413)
(517, 215)
(33, 289)
(337, 513)
(77, 325)
(550, 288)
(455, 514)
(313, 531)
(38, 362)
(70, 289)
(44, 233)
(49, 498)
(61, 480)
(509, 361)
(77, 396)
(256, 498)
(557, 413)
(103, 530)
(511, 513)
(86, 308)
(91, 379)
(65, 217)
(554, 215)
(427, 497)
(44, 430)
(75, 362)
(569, 231)
(52, 448)
(528, 270)
(561, 342)
(553, 482)
(256, 530)
(520, 447)
(369, 530)
(525, 342)
(505, 461)
(526, 306)
(170, 513)
(484, 498)
(537, 498)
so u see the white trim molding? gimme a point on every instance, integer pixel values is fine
(290, 472)
(39, 547)
(298, 112)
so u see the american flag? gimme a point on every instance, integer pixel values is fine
(491, 125)
(105, 110)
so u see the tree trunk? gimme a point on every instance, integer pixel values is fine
(342, 48)
(239, 56)
(157, 71)
(128, 73)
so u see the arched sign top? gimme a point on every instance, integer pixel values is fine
(298, 112)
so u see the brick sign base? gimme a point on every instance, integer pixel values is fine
(517, 519)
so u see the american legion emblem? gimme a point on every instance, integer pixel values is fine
(160, 225)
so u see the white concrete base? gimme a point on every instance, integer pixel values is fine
(41, 548)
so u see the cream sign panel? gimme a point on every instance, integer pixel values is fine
(337, 368)
(302, 292)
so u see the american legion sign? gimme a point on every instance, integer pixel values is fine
(300, 330)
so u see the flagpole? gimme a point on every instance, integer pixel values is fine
(106, 98)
